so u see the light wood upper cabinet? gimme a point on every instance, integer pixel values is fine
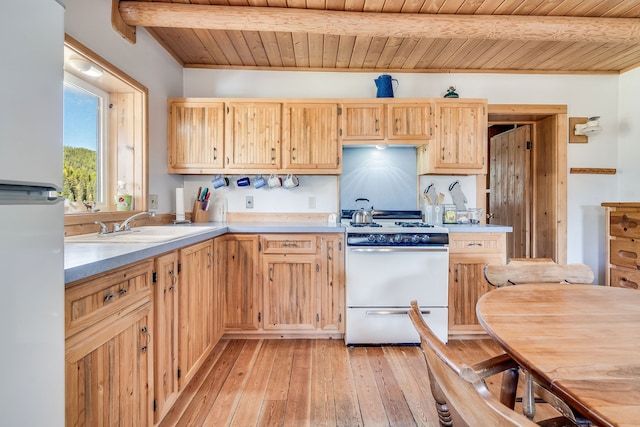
(363, 122)
(196, 309)
(459, 143)
(166, 337)
(252, 135)
(310, 137)
(196, 136)
(409, 122)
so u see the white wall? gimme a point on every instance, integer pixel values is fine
(629, 137)
(89, 22)
(583, 95)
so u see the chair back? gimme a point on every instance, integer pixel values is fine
(536, 270)
(468, 395)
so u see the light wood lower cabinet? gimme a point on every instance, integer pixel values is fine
(166, 340)
(109, 349)
(331, 291)
(196, 296)
(238, 276)
(468, 253)
(623, 245)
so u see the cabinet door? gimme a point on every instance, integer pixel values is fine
(166, 336)
(196, 136)
(289, 291)
(460, 137)
(310, 137)
(108, 372)
(196, 309)
(331, 283)
(409, 121)
(238, 276)
(362, 122)
(253, 133)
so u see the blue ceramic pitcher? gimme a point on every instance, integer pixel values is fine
(384, 85)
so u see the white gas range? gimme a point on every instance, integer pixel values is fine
(389, 263)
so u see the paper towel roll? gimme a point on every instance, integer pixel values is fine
(179, 204)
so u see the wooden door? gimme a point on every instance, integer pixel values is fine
(409, 121)
(238, 279)
(196, 136)
(166, 336)
(331, 283)
(460, 137)
(252, 135)
(108, 372)
(362, 122)
(310, 137)
(510, 188)
(290, 291)
(196, 309)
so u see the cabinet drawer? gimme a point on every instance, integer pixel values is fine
(289, 244)
(90, 301)
(485, 243)
(625, 278)
(625, 224)
(625, 253)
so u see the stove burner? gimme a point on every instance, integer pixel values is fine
(373, 224)
(413, 224)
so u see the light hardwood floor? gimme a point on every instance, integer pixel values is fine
(314, 383)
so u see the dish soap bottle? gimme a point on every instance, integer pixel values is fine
(122, 198)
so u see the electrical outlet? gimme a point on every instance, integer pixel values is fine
(153, 201)
(312, 202)
(248, 202)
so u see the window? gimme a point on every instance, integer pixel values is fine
(105, 136)
(84, 132)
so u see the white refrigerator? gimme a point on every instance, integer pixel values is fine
(31, 219)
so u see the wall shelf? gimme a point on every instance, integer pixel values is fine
(594, 171)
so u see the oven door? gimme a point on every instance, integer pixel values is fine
(394, 276)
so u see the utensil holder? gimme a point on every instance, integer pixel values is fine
(199, 215)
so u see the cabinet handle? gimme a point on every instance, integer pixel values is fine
(293, 153)
(627, 254)
(377, 125)
(624, 283)
(108, 298)
(271, 274)
(122, 291)
(273, 155)
(215, 153)
(397, 120)
(145, 331)
(474, 244)
(209, 256)
(175, 280)
(442, 153)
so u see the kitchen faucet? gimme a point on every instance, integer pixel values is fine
(126, 224)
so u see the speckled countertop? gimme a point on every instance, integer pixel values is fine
(82, 260)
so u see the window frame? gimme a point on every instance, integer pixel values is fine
(127, 134)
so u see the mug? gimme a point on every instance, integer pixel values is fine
(220, 181)
(274, 181)
(243, 182)
(259, 182)
(291, 181)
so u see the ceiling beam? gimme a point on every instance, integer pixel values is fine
(367, 24)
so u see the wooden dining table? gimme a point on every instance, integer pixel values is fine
(580, 341)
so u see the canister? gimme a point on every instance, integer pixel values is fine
(449, 214)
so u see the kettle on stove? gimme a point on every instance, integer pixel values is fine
(385, 86)
(362, 215)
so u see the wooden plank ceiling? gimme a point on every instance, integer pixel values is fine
(494, 36)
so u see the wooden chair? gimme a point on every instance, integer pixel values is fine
(464, 387)
(536, 270)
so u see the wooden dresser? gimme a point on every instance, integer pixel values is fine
(623, 244)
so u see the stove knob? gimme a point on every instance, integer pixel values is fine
(397, 238)
(371, 238)
(382, 238)
(415, 239)
(425, 238)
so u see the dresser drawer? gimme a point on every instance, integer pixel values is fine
(289, 244)
(485, 243)
(90, 301)
(625, 278)
(625, 253)
(625, 224)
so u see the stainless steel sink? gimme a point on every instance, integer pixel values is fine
(143, 234)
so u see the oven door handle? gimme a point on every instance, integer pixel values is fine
(438, 249)
(391, 312)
